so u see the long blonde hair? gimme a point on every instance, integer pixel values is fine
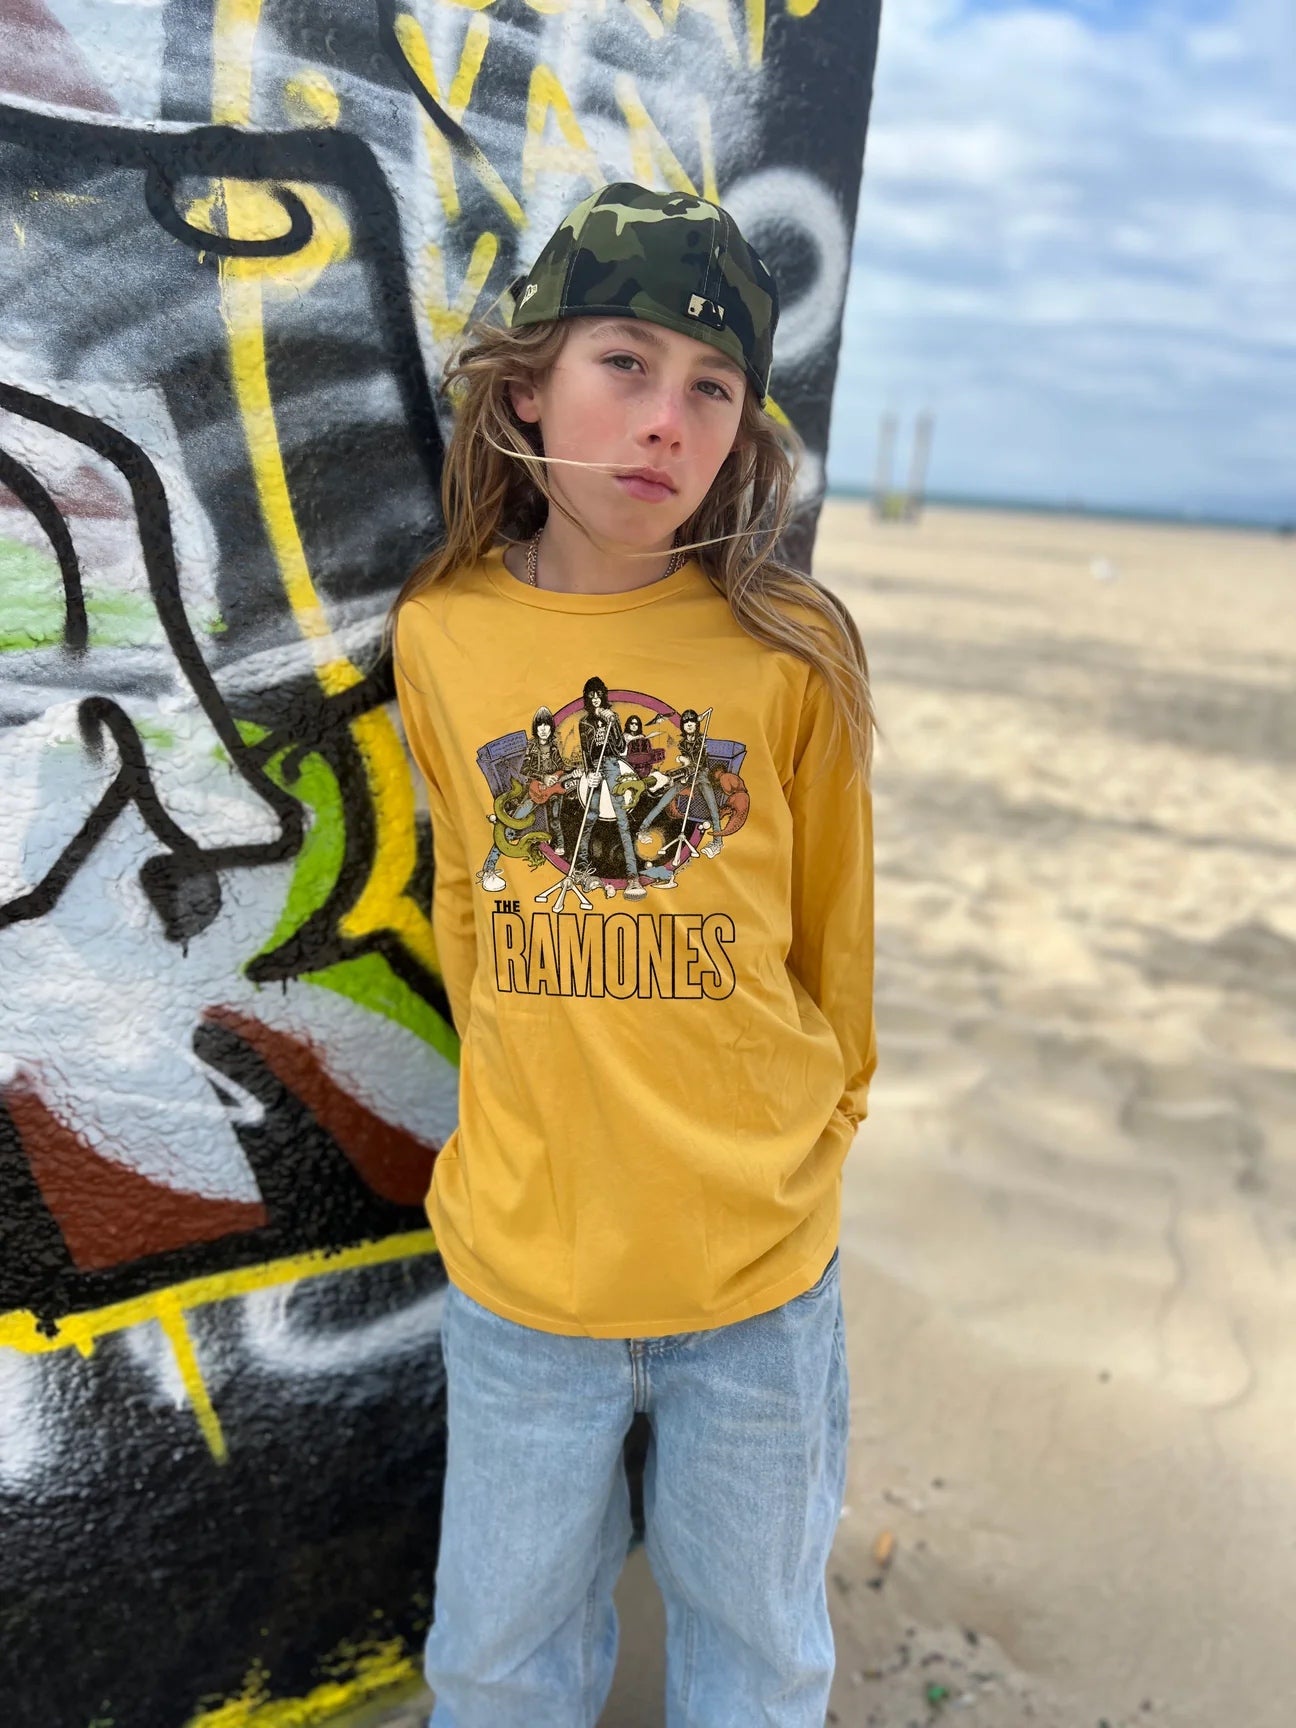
(494, 486)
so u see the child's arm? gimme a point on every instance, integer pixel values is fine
(453, 925)
(832, 891)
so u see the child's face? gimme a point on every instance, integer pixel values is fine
(632, 394)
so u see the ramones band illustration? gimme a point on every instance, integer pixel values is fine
(621, 805)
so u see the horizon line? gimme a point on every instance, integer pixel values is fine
(1273, 524)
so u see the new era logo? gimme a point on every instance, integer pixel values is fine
(532, 288)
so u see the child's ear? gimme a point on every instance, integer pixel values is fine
(522, 400)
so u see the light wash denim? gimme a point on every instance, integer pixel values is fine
(743, 1487)
(611, 770)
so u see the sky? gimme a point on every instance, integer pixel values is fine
(1076, 246)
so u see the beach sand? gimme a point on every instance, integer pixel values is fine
(1069, 1230)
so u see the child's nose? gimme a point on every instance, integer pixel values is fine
(663, 414)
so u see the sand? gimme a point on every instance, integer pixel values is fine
(1069, 1235)
(1069, 1238)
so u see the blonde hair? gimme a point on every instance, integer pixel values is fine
(494, 486)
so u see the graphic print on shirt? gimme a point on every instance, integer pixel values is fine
(588, 791)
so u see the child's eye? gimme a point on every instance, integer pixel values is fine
(720, 394)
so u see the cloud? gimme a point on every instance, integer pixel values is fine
(1075, 245)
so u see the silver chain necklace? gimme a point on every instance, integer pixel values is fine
(533, 554)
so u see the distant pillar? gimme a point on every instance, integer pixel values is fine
(918, 467)
(890, 505)
(882, 494)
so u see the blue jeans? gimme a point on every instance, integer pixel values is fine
(611, 772)
(743, 1487)
(706, 791)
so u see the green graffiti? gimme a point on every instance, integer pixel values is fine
(34, 610)
(367, 979)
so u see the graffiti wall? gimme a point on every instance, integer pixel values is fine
(236, 239)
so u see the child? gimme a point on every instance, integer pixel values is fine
(639, 1207)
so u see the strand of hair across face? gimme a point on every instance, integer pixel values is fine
(574, 462)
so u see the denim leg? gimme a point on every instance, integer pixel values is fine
(610, 774)
(582, 858)
(708, 793)
(658, 807)
(602, 1628)
(535, 1523)
(743, 1490)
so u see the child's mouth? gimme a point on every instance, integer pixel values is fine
(648, 490)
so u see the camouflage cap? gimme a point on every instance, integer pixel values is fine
(668, 257)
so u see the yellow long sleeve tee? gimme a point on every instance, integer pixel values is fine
(653, 913)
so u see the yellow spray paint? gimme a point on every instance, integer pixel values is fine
(20, 1329)
(756, 31)
(444, 320)
(310, 98)
(414, 46)
(643, 15)
(377, 1669)
(172, 1321)
(573, 156)
(650, 154)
